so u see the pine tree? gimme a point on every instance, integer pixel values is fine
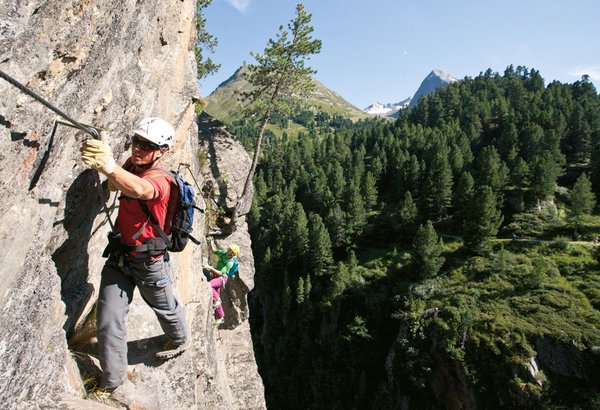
(465, 147)
(319, 253)
(355, 212)
(544, 172)
(519, 173)
(369, 191)
(491, 171)
(530, 141)
(483, 220)
(595, 162)
(582, 200)
(260, 188)
(204, 41)
(436, 111)
(463, 198)
(336, 225)
(340, 279)
(296, 238)
(300, 294)
(352, 261)
(358, 164)
(413, 177)
(279, 77)
(507, 143)
(439, 182)
(579, 135)
(336, 181)
(408, 210)
(427, 251)
(307, 287)
(456, 159)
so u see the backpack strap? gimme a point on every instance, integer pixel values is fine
(161, 232)
(171, 175)
(196, 241)
(166, 238)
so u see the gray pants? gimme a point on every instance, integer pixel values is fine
(116, 293)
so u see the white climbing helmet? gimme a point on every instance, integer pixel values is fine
(156, 130)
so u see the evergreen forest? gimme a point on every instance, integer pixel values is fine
(446, 259)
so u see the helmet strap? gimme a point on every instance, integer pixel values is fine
(145, 167)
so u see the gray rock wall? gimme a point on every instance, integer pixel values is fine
(109, 64)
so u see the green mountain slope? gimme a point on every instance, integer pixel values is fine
(358, 296)
(224, 104)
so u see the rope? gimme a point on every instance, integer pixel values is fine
(92, 131)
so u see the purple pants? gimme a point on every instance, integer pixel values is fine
(216, 284)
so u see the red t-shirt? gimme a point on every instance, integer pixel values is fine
(132, 217)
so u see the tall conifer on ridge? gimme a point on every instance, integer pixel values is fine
(278, 78)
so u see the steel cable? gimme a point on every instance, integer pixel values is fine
(90, 130)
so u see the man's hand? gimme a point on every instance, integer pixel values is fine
(97, 154)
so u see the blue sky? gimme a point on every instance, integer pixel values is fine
(381, 50)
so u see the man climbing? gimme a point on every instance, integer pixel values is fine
(227, 267)
(137, 255)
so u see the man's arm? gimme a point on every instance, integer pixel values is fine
(97, 154)
(131, 185)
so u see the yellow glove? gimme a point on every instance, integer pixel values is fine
(97, 154)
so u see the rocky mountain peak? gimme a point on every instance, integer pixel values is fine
(445, 77)
(435, 79)
(237, 75)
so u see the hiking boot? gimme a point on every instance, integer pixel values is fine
(114, 396)
(219, 321)
(217, 304)
(172, 349)
(101, 395)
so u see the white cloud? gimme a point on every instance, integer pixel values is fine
(241, 5)
(592, 71)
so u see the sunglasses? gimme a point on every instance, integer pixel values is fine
(143, 145)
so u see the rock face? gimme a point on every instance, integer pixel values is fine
(108, 64)
(225, 174)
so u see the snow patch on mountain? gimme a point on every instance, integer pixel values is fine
(386, 109)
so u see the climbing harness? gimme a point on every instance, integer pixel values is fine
(86, 128)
